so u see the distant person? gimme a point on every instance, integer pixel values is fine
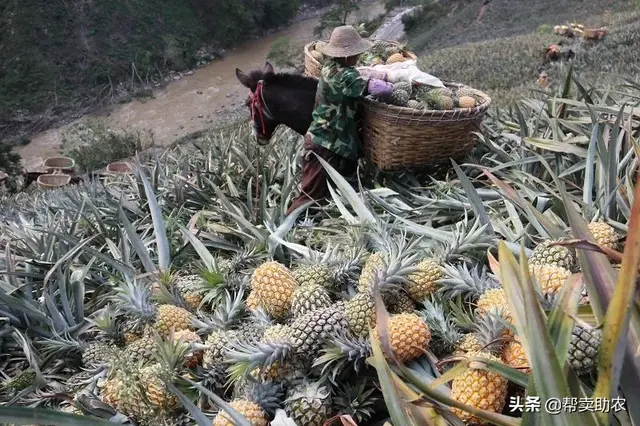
(333, 134)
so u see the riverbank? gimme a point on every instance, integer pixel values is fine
(187, 102)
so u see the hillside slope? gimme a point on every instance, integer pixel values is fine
(501, 49)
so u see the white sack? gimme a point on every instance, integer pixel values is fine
(405, 71)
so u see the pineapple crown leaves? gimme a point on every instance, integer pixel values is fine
(490, 328)
(466, 239)
(343, 350)
(106, 321)
(357, 401)
(306, 389)
(460, 280)
(60, 346)
(267, 394)
(442, 326)
(247, 356)
(227, 313)
(170, 295)
(134, 298)
(170, 352)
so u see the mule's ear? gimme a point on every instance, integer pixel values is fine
(244, 79)
(268, 68)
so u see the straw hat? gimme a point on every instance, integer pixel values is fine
(345, 42)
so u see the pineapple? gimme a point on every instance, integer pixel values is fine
(409, 336)
(584, 348)
(316, 275)
(396, 57)
(309, 404)
(546, 254)
(308, 298)
(494, 300)
(514, 355)
(96, 354)
(157, 395)
(469, 342)
(466, 102)
(188, 288)
(309, 330)
(361, 313)
(479, 388)
(424, 282)
(252, 303)
(465, 92)
(399, 97)
(605, 235)
(171, 317)
(373, 264)
(217, 342)
(257, 402)
(190, 337)
(402, 85)
(436, 98)
(250, 410)
(123, 392)
(141, 351)
(416, 104)
(551, 278)
(274, 285)
(400, 303)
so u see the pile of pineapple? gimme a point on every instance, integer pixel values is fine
(268, 336)
(382, 52)
(423, 97)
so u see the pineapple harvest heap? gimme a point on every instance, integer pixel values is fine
(190, 302)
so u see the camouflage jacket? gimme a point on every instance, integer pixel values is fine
(334, 124)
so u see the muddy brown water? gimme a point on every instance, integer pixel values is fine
(197, 101)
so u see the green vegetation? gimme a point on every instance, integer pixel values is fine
(335, 17)
(93, 145)
(505, 57)
(181, 295)
(57, 56)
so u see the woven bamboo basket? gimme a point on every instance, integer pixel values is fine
(63, 164)
(399, 138)
(312, 66)
(119, 167)
(54, 180)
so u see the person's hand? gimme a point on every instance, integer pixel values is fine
(380, 88)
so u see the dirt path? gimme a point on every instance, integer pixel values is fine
(207, 96)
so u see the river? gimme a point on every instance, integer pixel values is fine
(209, 95)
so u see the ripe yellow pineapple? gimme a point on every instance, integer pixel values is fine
(156, 391)
(550, 278)
(172, 317)
(409, 336)
(513, 354)
(252, 303)
(479, 388)
(495, 300)
(468, 343)
(396, 57)
(274, 285)
(422, 283)
(188, 336)
(187, 285)
(250, 410)
(466, 102)
(605, 235)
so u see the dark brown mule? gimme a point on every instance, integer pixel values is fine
(278, 98)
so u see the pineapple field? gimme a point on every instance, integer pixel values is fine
(180, 294)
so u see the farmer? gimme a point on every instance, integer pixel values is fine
(333, 134)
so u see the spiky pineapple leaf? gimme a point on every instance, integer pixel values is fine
(47, 417)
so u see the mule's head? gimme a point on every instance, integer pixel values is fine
(263, 121)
